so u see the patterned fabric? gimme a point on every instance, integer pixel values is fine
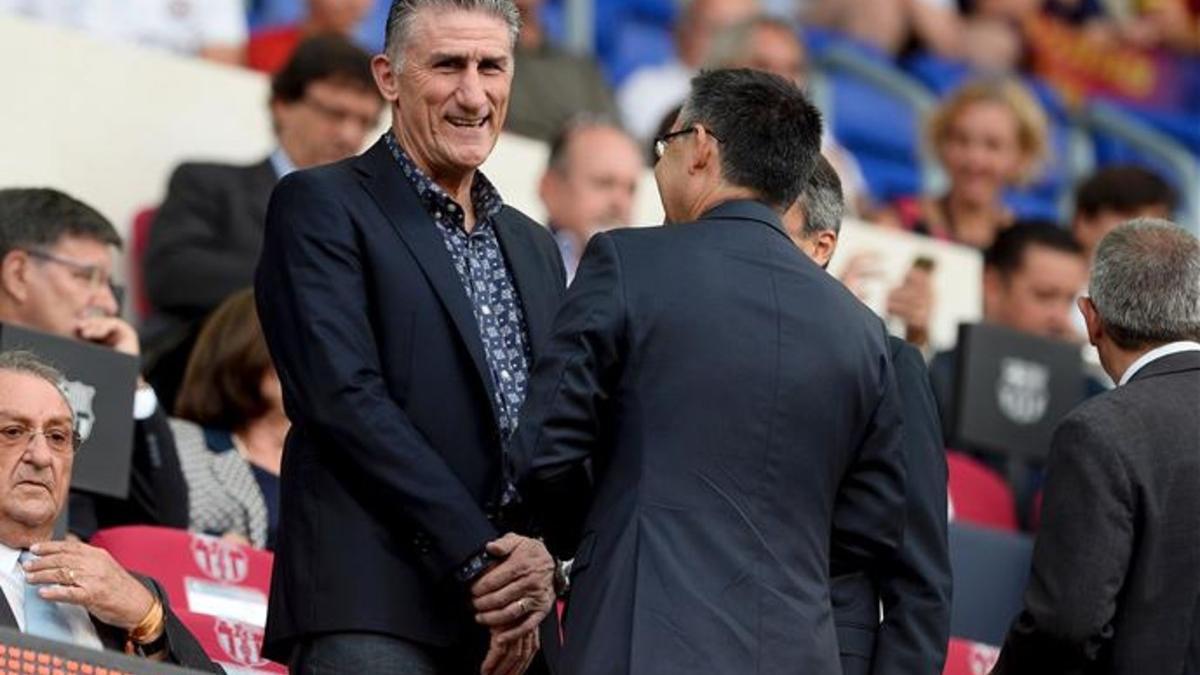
(223, 495)
(486, 279)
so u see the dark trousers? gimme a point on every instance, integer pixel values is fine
(371, 653)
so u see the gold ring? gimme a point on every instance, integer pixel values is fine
(70, 576)
(524, 609)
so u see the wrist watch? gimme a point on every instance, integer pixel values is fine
(562, 576)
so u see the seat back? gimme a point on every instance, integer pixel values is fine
(979, 495)
(965, 657)
(990, 569)
(235, 645)
(201, 574)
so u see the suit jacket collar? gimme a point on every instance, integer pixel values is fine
(399, 202)
(746, 209)
(1166, 365)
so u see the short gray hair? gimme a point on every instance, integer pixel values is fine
(28, 363)
(821, 201)
(1146, 283)
(732, 45)
(401, 13)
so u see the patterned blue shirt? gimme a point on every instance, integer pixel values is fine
(486, 279)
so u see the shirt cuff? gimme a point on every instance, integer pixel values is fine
(145, 402)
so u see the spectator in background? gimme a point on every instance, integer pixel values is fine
(66, 590)
(56, 261)
(650, 93)
(589, 185)
(988, 135)
(1031, 277)
(205, 239)
(211, 29)
(771, 44)
(231, 428)
(270, 49)
(1115, 194)
(893, 26)
(1114, 588)
(912, 587)
(550, 85)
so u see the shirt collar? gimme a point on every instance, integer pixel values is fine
(281, 163)
(1156, 354)
(484, 197)
(8, 559)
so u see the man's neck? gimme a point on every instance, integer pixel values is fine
(17, 536)
(719, 195)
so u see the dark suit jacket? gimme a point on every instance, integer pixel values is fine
(393, 466)
(1116, 564)
(203, 246)
(157, 491)
(182, 647)
(915, 583)
(720, 416)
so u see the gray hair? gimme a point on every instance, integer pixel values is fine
(821, 200)
(28, 363)
(1146, 283)
(402, 12)
(732, 45)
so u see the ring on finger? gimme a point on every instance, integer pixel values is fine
(70, 576)
(522, 604)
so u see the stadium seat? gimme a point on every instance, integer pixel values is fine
(234, 645)
(139, 240)
(979, 495)
(201, 574)
(965, 657)
(990, 569)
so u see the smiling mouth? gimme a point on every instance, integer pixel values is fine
(468, 122)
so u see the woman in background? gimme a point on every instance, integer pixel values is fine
(230, 437)
(988, 136)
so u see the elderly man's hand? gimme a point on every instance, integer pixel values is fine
(512, 657)
(83, 575)
(517, 593)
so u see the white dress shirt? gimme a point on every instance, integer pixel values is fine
(1156, 354)
(12, 580)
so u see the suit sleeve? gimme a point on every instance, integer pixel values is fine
(566, 406)
(314, 307)
(869, 518)
(1080, 556)
(915, 587)
(188, 266)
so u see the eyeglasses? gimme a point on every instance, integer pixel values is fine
(95, 275)
(60, 440)
(660, 143)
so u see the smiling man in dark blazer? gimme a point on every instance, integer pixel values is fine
(402, 302)
(720, 417)
(1115, 585)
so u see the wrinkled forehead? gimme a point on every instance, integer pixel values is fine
(31, 400)
(460, 33)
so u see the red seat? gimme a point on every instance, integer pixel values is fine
(236, 646)
(978, 495)
(139, 240)
(201, 574)
(969, 658)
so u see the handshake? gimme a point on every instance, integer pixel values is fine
(511, 599)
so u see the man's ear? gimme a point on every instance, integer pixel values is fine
(14, 274)
(705, 155)
(825, 245)
(385, 77)
(1095, 327)
(548, 190)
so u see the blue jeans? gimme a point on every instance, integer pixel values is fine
(367, 654)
